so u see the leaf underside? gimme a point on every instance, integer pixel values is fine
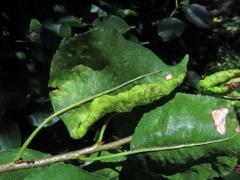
(94, 64)
(184, 123)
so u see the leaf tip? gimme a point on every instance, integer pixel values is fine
(184, 61)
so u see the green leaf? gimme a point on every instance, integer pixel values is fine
(35, 26)
(198, 15)
(183, 4)
(34, 30)
(221, 166)
(65, 30)
(111, 23)
(127, 12)
(58, 171)
(20, 55)
(170, 28)
(109, 74)
(198, 134)
(72, 21)
(98, 10)
(62, 30)
(110, 173)
(10, 136)
(222, 83)
(8, 155)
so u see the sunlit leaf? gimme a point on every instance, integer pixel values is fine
(102, 61)
(222, 83)
(199, 134)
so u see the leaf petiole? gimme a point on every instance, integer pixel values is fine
(154, 149)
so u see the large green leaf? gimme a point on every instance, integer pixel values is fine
(199, 134)
(109, 72)
(59, 171)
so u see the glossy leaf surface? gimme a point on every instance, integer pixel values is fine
(109, 74)
(198, 134)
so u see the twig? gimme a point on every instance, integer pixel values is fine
(175, 9)
(100, 138)
(24, 164)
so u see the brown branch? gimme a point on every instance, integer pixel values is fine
(24, 164)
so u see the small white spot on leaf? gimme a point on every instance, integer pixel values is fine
(219, 119)
(169, 76)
